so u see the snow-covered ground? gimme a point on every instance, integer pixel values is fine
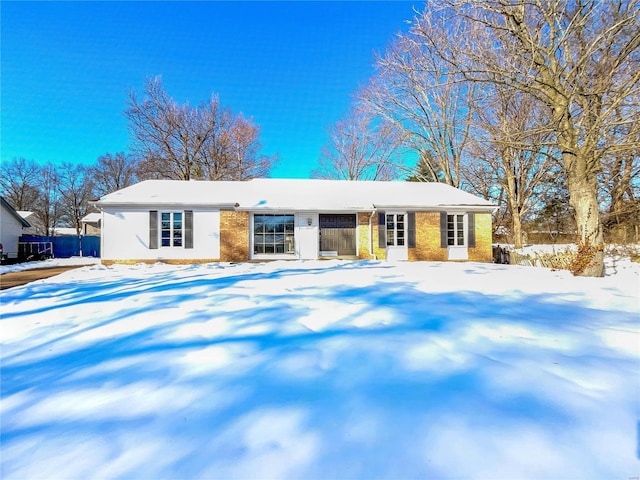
(50, 263)
(318, 370)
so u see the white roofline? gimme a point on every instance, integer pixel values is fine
(156, 205)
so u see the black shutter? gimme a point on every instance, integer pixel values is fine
(443, 229)
(382, 230)
(411, 226)
(153, 229)
(472, 229)
(188, 229)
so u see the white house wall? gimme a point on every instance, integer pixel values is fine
(10, 231)
(125, 236)
(307, 235)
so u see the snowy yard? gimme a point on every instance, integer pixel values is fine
(321, 370)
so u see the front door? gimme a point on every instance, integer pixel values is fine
(396, 234)
(457, 237)
(337, 235)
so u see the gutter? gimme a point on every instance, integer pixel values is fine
(441, 207)
(156, 205)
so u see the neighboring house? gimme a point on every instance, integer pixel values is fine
(64, 232)
(11, 225)
(264, 219)
(91, 223)
(37, 225)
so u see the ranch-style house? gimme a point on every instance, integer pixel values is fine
(264, 219)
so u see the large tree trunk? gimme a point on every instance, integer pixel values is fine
(583, 197)
(514, 207)
(516, 223)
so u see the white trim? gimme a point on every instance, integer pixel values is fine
(271, 256)
(458, 252)
(171, 229)
(397, 252)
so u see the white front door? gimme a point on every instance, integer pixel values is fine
(457, 236)
(396, 232)
(307, 235)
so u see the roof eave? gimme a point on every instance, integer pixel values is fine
(438, 208)
(157, 205)
(14, 213)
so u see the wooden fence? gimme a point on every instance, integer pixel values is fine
(556, 260)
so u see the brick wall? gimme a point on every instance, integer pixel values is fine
(363, 236)
(234, 236)
(428, 238)
(482, 251)
(380, 253)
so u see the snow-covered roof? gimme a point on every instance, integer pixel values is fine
(93, 217)
(295, 195)
(62, 231)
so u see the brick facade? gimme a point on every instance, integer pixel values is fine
(428, 238)
(234, 236)
(482, 252)
(364, 245)
(364, 242)
(235, 241)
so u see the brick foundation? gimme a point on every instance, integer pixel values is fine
(169, 261)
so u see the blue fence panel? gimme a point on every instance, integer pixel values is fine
(68, 245)
(90, 246)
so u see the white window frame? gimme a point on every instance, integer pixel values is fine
(289, 245)
(172, 229)
(395, 228)
(458, 240)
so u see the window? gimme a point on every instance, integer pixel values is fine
(455, 230)
(273, 234)
(171, 229)
(396, 229)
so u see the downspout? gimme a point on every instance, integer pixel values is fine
(373, 212)
(101, 234)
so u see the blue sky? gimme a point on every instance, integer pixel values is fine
(292, 66)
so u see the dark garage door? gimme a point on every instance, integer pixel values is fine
(338, 234)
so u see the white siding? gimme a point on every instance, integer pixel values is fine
(307, 235)
(10, 231)
(125, 236)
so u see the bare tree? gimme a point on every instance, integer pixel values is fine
(169, 137)
(19, 183)
(184, 142)
(514, 151)
(410, 91)
(48, 208)
(113, 172)
(580, 58)
(76, 190)
(233, 150)
(361, 148)
(621, 189)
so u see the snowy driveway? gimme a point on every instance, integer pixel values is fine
(321, 370)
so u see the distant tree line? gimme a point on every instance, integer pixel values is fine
(170, 140)
(534, 104)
